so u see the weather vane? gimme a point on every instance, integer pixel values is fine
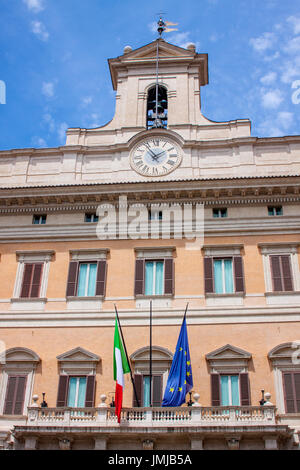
(163, 26)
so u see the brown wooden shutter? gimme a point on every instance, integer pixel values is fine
(139, 284)
(19, 397)
(138, 382)
(36, 280)
(101, 277)
(244, 389)
(72, 279)
(276, 273)
(90, 391)
(288, 392)
(25, 290)
(62, 393)
(215, 390)
(15, 392)
(208, 275)
(169, 276)
(157, 390)
(297, 390)
(286, 273)
(238, 274)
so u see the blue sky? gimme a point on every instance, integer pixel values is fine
(53, 61)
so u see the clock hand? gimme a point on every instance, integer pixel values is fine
(158, 155)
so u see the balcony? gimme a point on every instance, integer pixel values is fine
(152, 417)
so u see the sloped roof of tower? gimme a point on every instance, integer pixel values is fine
(168, 54)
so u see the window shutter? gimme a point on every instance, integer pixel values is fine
(288, 392)
(208, 275)
(157, 390)
(138, 381)
(297, 390)
(139, 277)
(101, 277)
(36, 280)
(215, 390)
(62, 391)
(244, 389)
(286, 273)
(90, 391)
(238, 274)
(72, 279)
(276, 273)
(25, 290)
(15, 395)
(169, 276)
(10, 394)
(19, 397)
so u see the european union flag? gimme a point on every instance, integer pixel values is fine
(180, 380)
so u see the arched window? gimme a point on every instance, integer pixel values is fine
(157, 107)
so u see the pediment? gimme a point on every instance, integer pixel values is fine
(78, 355)
(158, 354)
(284, 350)
(165, 49)
(20, 355)
(228, 352)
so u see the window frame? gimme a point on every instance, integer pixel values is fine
(43, 257)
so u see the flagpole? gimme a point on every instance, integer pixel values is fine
(185, 310)
(134, 389)
(150, 353)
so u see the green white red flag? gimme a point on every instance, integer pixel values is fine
(121, 367)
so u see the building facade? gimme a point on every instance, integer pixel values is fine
(163, 205)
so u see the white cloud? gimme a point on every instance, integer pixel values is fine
(50, 121)
(271, 99)
(264, 42)
(39, 29)
(95, 121)
(269, 78)
(62, 131)
(39, 142)
(295, 22)
(48, 89)
(182, 40)
(34, 5)
(293, 46)
(86, 100)
(277, 125)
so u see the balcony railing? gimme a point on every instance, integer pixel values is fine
(153, 417)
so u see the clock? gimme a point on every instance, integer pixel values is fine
(155, 156)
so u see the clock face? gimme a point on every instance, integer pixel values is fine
(155, 156)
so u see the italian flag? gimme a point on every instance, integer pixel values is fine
(121, 367)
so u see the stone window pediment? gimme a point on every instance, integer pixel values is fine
(78, 360)
(228, 358)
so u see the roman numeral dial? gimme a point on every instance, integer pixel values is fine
(155, 156)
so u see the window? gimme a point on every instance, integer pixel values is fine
(87, 273)
(291, 385)
(229, 376)
(142, 386)
(87, 276)
(31, 280)
(275, 210)
(281, 273)
(281, 270)
(14, 400)
(286, 373)
(77, 380)
(91, 217)
(16, 385)
(161, 364)
(218, 213)
(223, 275)
(32, 274)
(230, 393)
(157, 117)
(39, 219)
(76, 392)
(154, 277)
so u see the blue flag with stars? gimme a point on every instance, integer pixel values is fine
(180, 380)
